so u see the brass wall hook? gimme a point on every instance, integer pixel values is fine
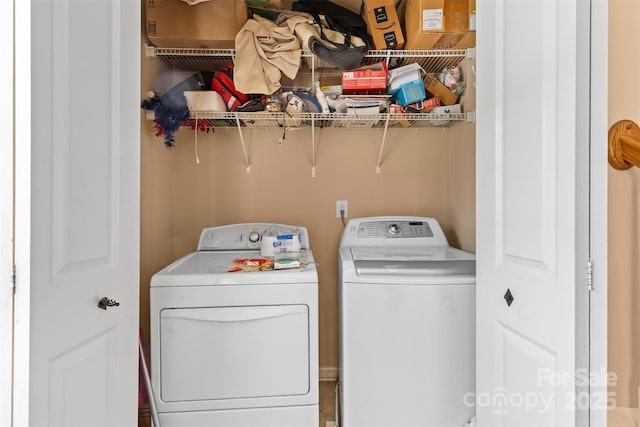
(624, 145)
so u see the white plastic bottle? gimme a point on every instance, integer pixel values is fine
(322, 99)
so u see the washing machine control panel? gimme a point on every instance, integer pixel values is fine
(394, 229)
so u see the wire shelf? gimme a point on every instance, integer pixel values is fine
(198, 59)
(209, 120)
(431, 61)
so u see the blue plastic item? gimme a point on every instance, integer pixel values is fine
(410, 93)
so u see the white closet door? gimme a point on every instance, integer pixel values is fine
(78, 215)
(532, 208)
(6, 210)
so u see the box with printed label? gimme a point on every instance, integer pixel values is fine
(446, 112)
(383, 24)
(369, 80)
(423, 106)
(211, 24)
(435, 87)
(439, 24)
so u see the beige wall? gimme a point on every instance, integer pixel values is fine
(624, 206)
(157, 176)
(424, 172)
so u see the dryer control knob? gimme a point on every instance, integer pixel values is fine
(254, 236)
(394, 229)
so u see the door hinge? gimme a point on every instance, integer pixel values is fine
(590, 275)
(13, 280)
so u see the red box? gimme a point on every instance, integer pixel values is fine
(420, 107)
(367, 80)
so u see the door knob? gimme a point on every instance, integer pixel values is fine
(105, 303)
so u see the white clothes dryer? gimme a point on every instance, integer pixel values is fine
(235, 348)
(407, 325)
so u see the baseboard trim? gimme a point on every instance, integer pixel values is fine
(328, 373)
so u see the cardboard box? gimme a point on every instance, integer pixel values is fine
(211, 24)
(459, 40)
(367, 80)
(383, 24)
(446, 111)
(439, 24)
(434, 87)
(352, 5)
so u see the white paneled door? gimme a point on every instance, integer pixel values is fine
(6, 211)
(77, 212)
(533, 211)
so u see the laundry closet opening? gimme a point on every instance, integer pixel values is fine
(205, 180)
(423, 172)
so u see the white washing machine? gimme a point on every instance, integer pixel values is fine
(235, 348)
(407, 325)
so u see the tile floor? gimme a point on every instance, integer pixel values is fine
(327, 402)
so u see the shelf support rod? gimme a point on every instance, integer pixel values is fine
(244, 148)
(313, 149)
(313, 70)
(384, 137)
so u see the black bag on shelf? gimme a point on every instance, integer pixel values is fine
(338, 18)
(340, 40)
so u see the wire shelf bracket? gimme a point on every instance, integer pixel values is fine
(244, 147)
(384, 137)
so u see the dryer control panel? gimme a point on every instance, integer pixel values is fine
(245, 236)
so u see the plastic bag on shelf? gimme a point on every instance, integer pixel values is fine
(453, 79)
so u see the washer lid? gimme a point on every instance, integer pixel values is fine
(424, 261)
(212, 268)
